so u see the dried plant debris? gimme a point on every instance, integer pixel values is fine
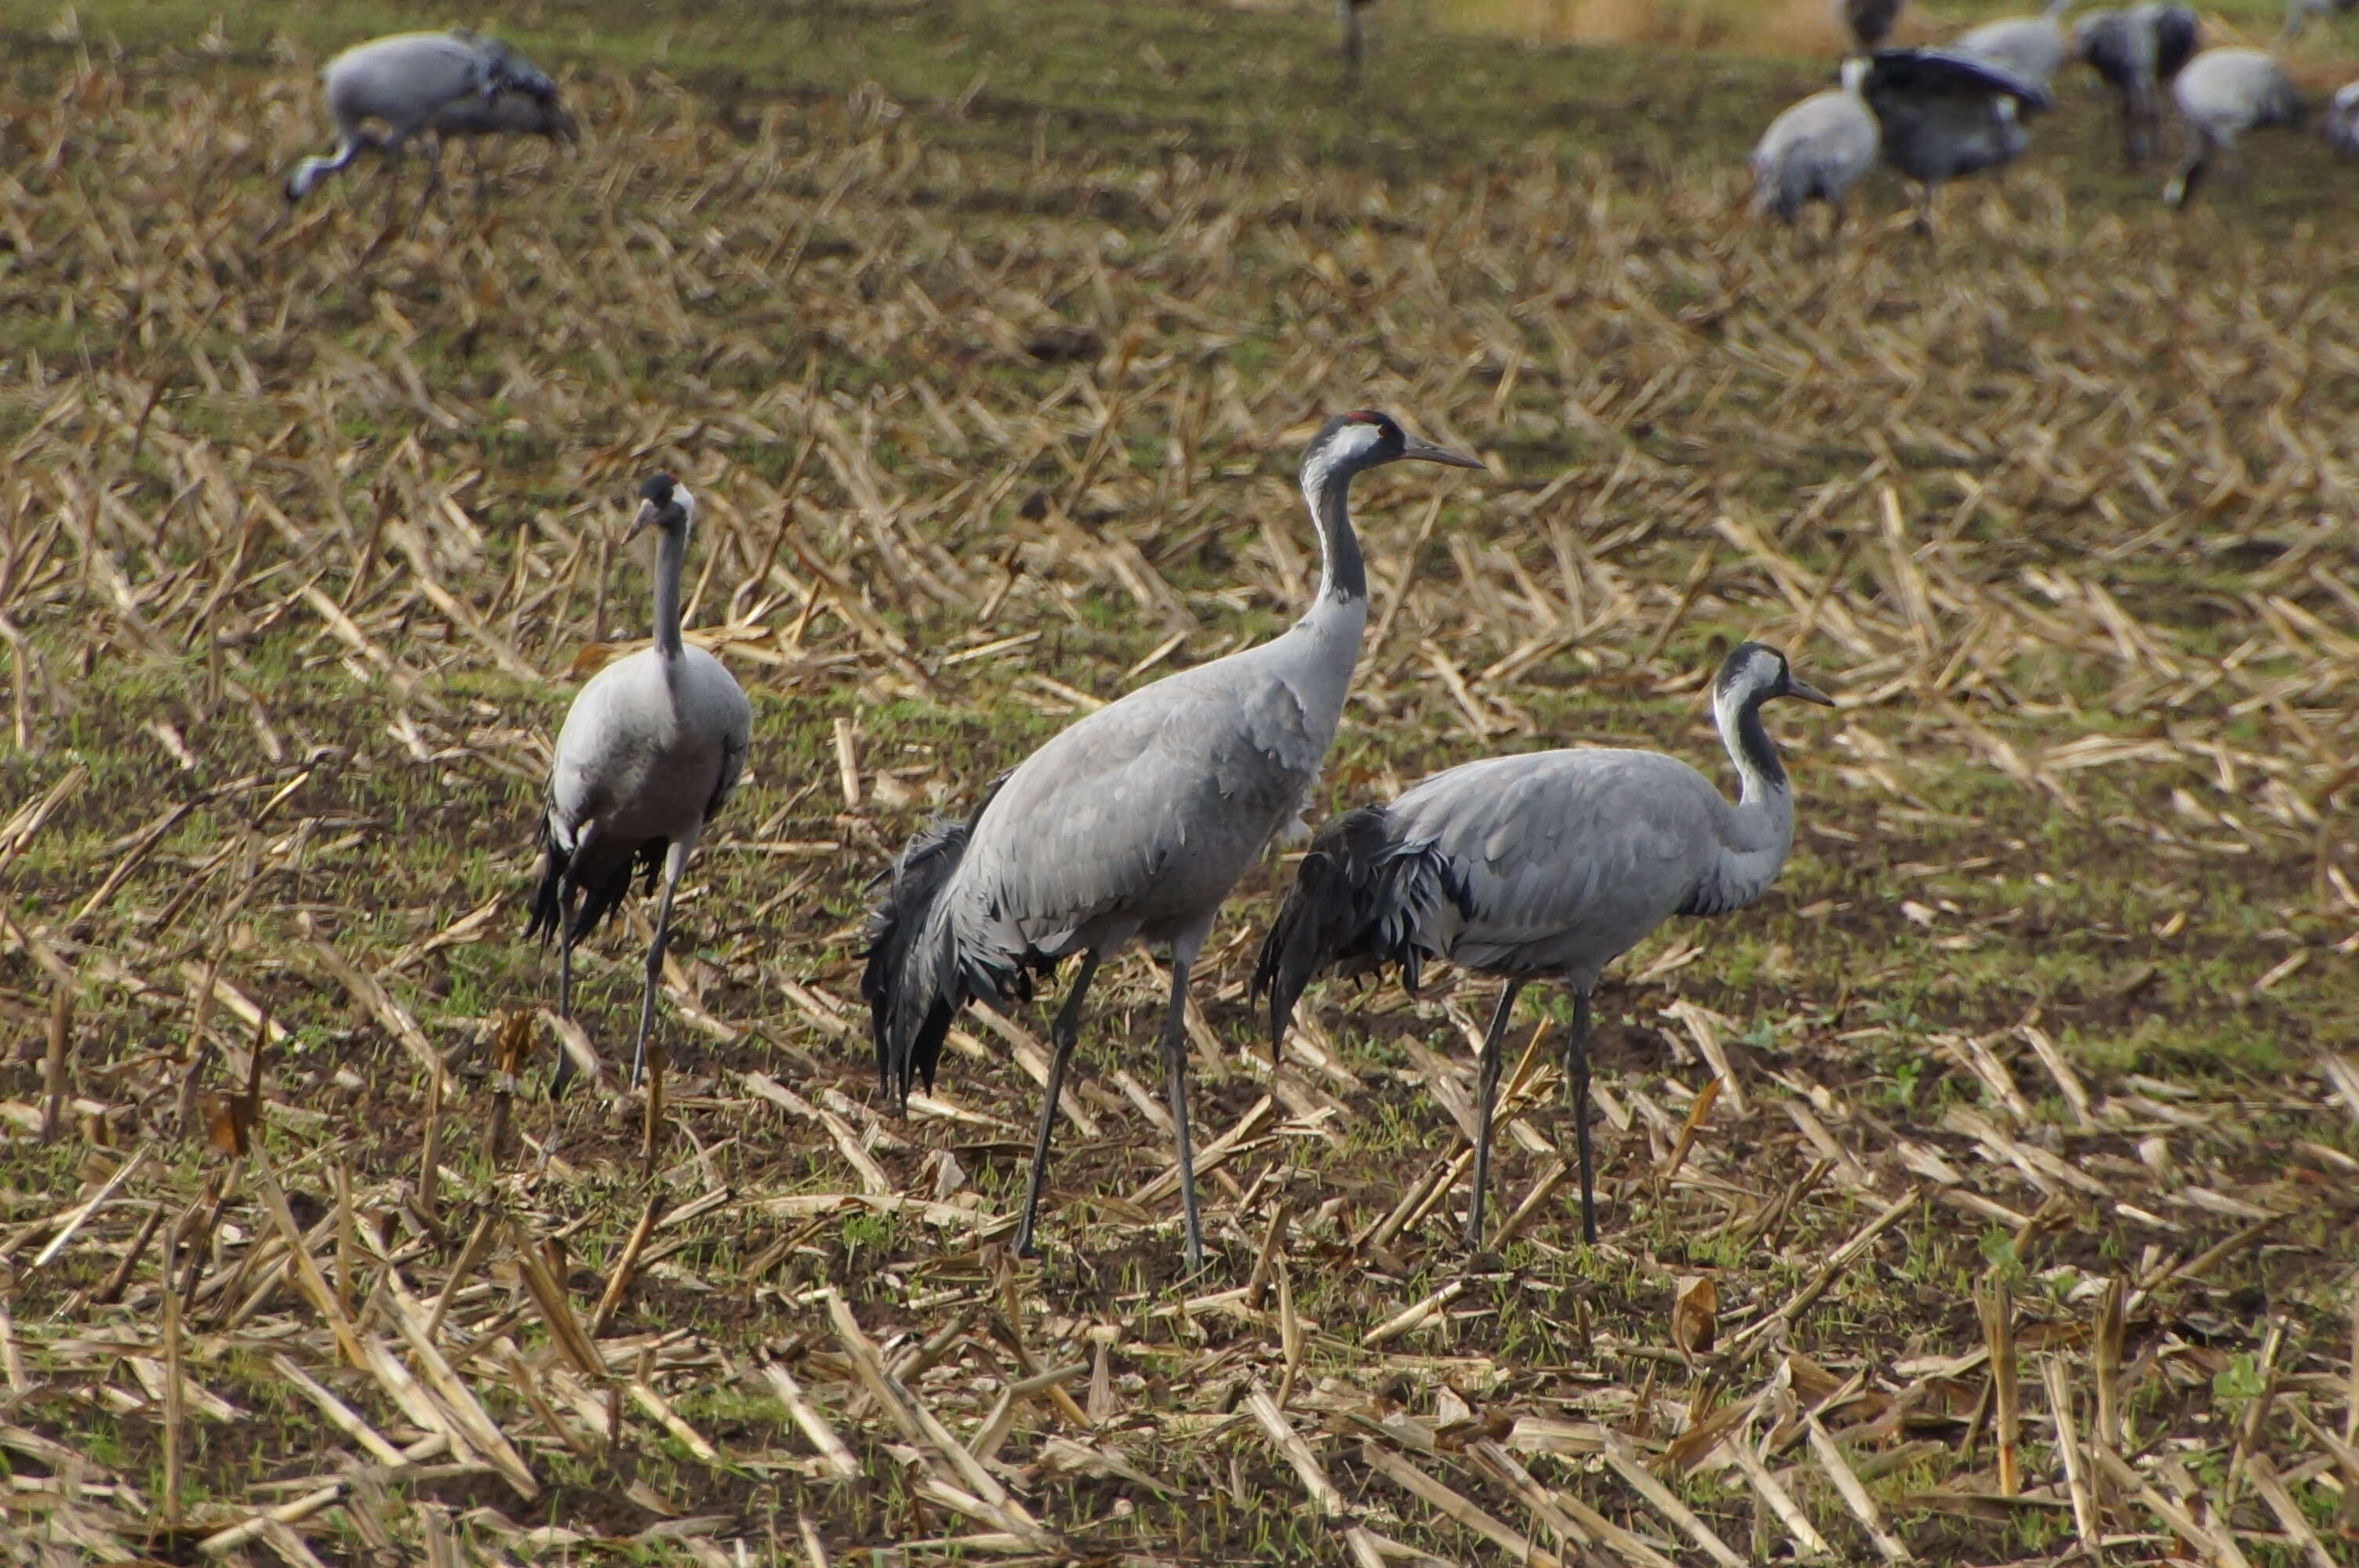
(1987, 1193)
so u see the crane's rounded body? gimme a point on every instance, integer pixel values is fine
(2222, 95)
(2033, 48)
(1816, 150)
(645, 745)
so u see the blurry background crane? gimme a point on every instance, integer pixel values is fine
(1132, 825)
(2033, 48)
(1817, 150)
(407, 83)
(2342, 121)
(1869, 22)
(2138, 49)
(651, 749)
(2222, 94)
(1544, 866)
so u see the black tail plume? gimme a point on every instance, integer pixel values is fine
(553, 910)
(548, 899)
(1359, 895)
(907, 1026)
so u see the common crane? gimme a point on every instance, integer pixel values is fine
(405, 82)
(2342, 121)
(2033, 48)
(1817, 150)
(1543, 866)
(1943, 114)
(2222, 94)
(1934, 114)
(1869, 22)
(2138, 49)
(1131, 825)
(650, 751)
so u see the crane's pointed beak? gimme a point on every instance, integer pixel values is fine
(1808, 692)
(640, 523)
(1413, 450)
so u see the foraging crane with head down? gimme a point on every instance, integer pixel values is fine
(433, 84)
(1544, 866)
(2222, 94)
(650, 751)
(1132, 825)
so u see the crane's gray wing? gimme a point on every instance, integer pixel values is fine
(1924, 73)
(1591, 841)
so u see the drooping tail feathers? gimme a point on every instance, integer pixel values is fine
(1357, 901)
(911, 1000)
(553, 910)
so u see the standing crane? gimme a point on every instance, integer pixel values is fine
(1544, 866)
(1943, 114)
(1131, 825)
(1869, 22)
(2138, 49)
(2033, 48)
(2222, 94)
(406, 81)
(1933, 115)
(650, 751)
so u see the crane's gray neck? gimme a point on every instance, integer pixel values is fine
(1327, 486)
(671, 555)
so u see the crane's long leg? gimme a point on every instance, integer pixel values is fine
(674, 862)
(564, 1074)
(1488, 1098)
(1175, 1067)
(1061, 1036)
(1576, 1073)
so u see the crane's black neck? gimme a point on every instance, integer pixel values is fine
(671, 554)
(1342, 574)
(1738, 716)
(1759, 754)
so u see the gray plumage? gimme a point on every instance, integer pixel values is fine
(2222, 94)
(2139, 50)
(1131, 825)
(1869, 22)
(1545, 866)
(2342, 121)
(1816, 150)
(2033, 48)
(433, 84)
(650, 751)
(1944, 114)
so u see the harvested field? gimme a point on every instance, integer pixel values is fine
(1987, 1193)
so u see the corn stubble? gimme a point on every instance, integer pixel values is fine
(308, 535)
